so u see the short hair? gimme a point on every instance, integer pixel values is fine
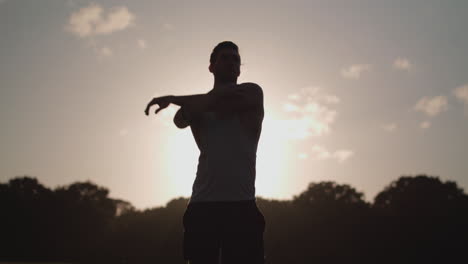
(220, 46)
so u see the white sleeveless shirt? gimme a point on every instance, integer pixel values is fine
(228, 151)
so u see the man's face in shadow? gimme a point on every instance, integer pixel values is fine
(227, 65)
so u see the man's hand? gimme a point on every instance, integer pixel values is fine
(162, 102)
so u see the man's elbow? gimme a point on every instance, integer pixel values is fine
(181, 123)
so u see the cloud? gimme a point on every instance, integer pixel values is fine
(105, 52)
(331, 99)
(289, 107)
(91, 20)
(390, 127)
(118, 19)
(101, 51)
(309, 113)
(402, 64)
(318, 152)
(81, 23)
(314, 93)
(425, 124)
(355, 71)
(343, 155)
(168, 27)
(462, 93)
(141, 44)
(432, 106)
(293, 97)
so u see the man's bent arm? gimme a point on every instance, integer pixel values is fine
(194, 103)
(180, 118)
(241, 98)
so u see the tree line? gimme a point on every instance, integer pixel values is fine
(415, 219)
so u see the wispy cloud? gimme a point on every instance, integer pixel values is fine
(355, 71)
(343, 155)
(168, 26)
(91, 20)
(141, 43)
(102, 52)
(425, 124)
(318, 152)
(403, 64)
(310, 113)
(105, 52)
(331, 99)
(390, 127)
(432, 106)
(462, 93)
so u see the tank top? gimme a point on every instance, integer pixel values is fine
(228, 151)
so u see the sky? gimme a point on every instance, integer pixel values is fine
(356, 92)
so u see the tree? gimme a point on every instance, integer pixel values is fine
(422, 218)
(420, 194)
(25, 206)
(329, 224)
(82, 219)
(329, 194)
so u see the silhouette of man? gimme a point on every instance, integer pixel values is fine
(222, 221)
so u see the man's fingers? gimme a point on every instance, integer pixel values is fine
(159, 109)
(161, 105)
(147, 110)
(152, 102)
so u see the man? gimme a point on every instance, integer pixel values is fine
(222, 220)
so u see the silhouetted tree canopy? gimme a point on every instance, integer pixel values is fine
(420, 194)
(325, 194)
(414, 219)
(423, 218)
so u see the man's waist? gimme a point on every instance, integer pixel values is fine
(224, 204)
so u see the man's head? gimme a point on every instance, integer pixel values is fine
(225, 61)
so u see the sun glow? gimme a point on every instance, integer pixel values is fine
(271, 161)
(182, 156)
(183, 160)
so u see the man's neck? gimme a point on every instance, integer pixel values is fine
(219, 84)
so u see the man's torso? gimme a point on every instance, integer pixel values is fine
(228, 145)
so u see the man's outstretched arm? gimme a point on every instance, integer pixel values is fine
(243, 97)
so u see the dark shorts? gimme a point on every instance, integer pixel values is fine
(231, 231)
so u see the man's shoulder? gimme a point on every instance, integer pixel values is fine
(256, 95)
(254, 90)
(251, 85)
